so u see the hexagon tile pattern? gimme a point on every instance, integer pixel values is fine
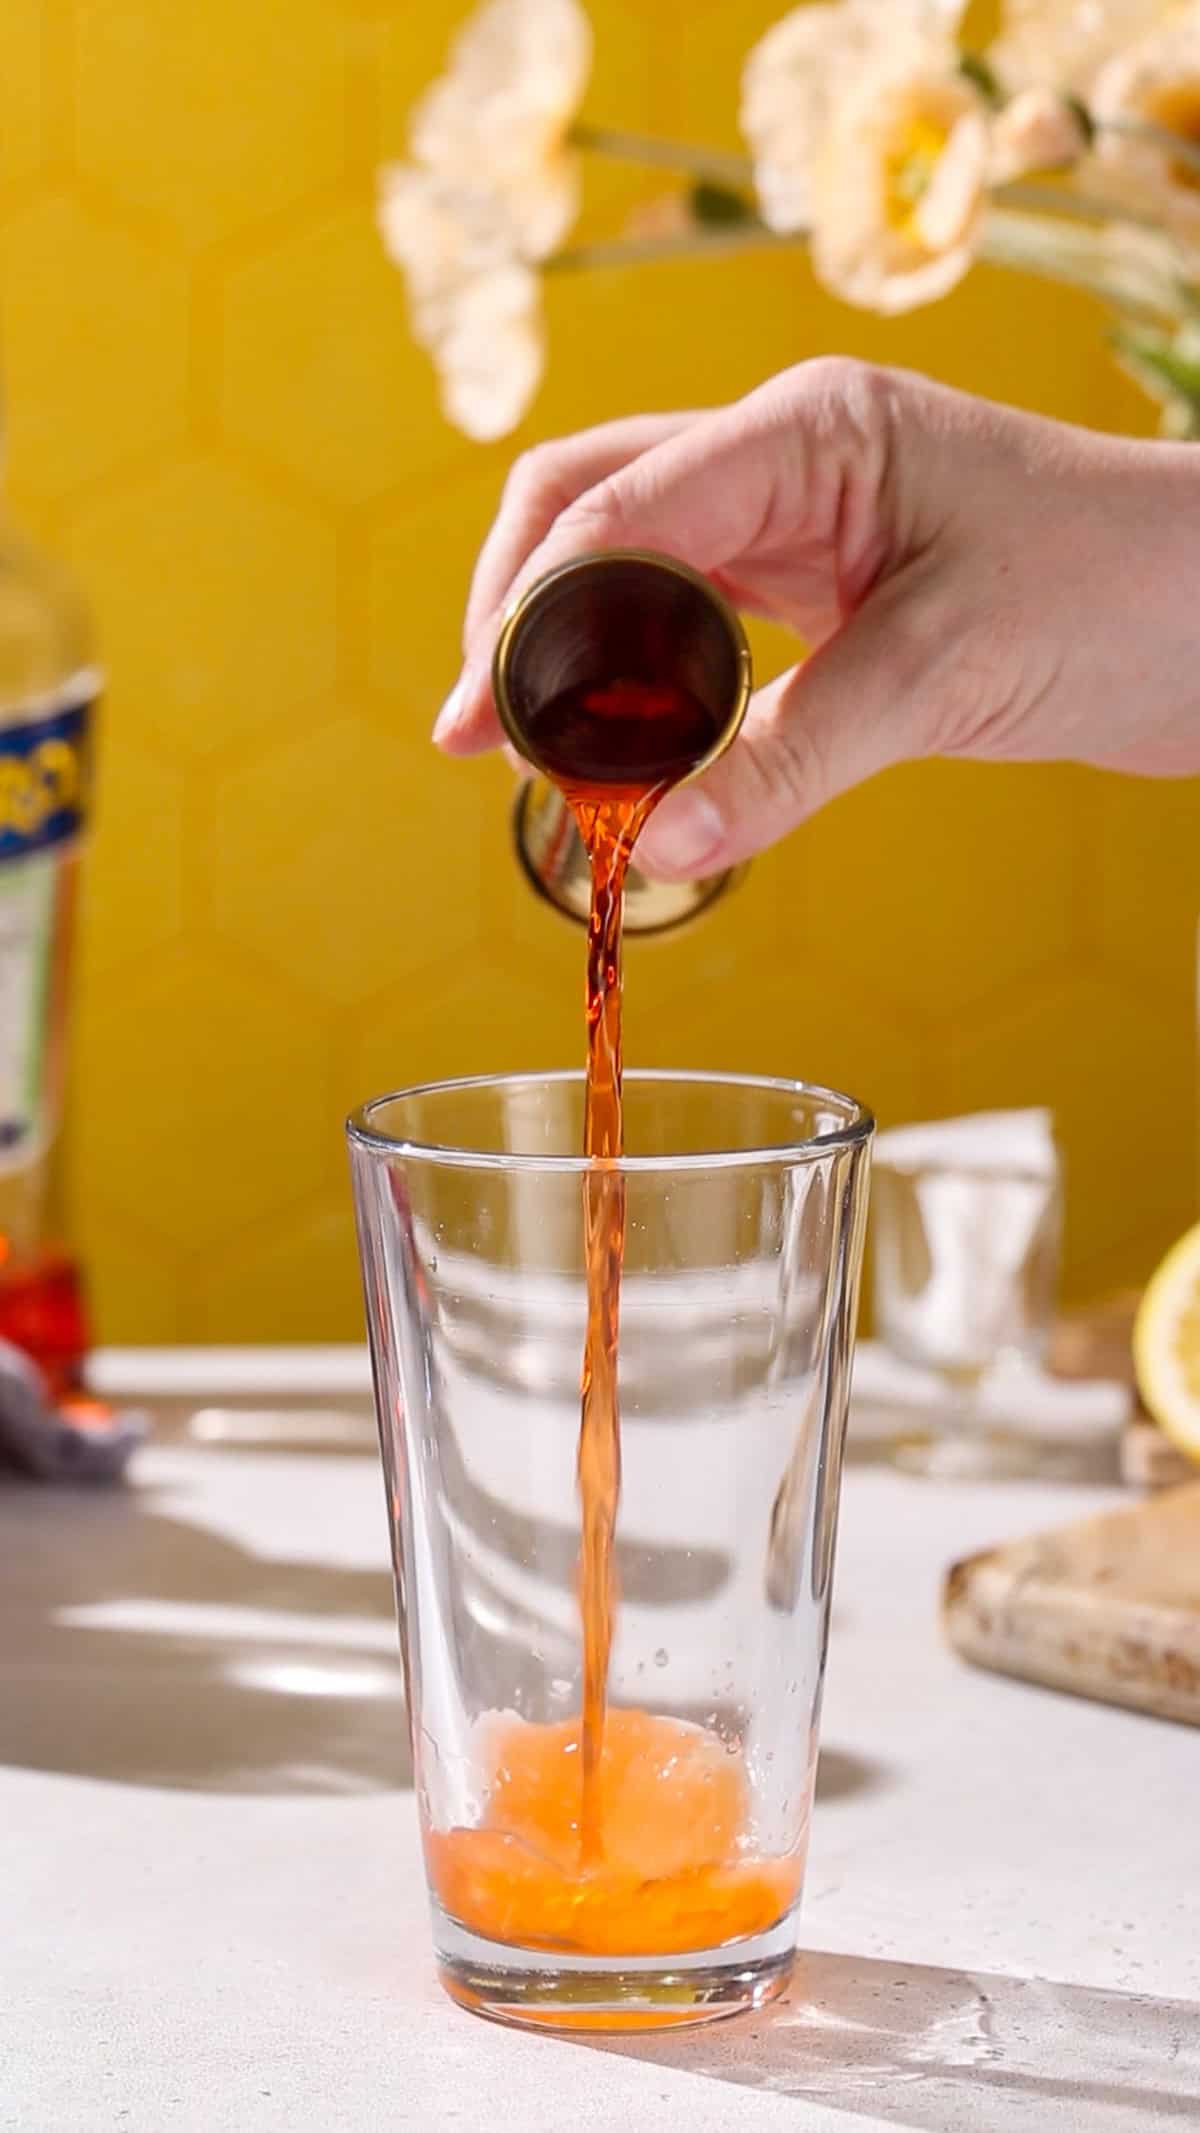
(218, 414)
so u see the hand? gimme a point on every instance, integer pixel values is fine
(974, 582)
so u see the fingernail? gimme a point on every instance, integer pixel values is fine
(686, 832)
(450, 713)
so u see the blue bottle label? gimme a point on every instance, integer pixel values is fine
(45, 778)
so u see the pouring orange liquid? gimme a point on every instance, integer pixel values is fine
(618, 1832)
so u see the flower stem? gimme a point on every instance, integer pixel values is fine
(1079, 260)
(663, 155)
(1067, 204)
(1174, 145)
(643, 251)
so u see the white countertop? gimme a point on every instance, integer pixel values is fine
(212, 1917)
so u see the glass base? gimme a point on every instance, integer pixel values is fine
(534, 1988)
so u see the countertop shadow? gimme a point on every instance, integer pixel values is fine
(935, 2050)
(140, 1647)
(142, 1643)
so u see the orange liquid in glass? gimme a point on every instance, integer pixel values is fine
(618, 1832)
(671, 1873)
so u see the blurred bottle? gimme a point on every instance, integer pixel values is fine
(48, 688)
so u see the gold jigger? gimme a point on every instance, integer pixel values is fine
(550, 851)
(623, 614)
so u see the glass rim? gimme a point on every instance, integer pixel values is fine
(855, 1133)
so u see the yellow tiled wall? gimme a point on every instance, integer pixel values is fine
(218, 415)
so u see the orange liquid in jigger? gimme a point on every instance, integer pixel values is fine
(618, 1832)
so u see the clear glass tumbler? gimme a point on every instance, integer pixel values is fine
(965, 1267)
(744, 1211)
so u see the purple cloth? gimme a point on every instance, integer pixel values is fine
(41, 1439)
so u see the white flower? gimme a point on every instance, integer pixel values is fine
(492, 189)
(474, 306)
(1039, 130)
(899, 189)
(797, 75)
(440, 232)
(491, 356)
(1061, 43)
(789, 87)
(502, 112)
(864, 132)
(1155, 84)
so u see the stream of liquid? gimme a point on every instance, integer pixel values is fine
(653, 735)
(621, 1831)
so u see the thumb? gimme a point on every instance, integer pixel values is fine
(703, 494)
(816, 730)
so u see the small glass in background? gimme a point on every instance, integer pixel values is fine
(966, 1223)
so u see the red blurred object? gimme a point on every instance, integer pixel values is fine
(43, 1311)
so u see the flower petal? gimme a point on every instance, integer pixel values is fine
(498, 120)
(951, 200)
(1062, 43)
(899, 192)
(441, 234)
(491, 355)
(798, 75)
(516, 76)
(1155, 83)
(1039, 130)
(789, 86)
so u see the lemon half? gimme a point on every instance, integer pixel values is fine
(1166, 1345)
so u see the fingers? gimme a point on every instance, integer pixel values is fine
(543, 482)
(703, 493)
(786, 495)
(854, 708)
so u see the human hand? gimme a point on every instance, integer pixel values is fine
(974, 582)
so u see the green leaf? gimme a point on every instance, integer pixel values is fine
(1082, 116)
(1165, 364)
(719, 206)
(975, 69)
(1170, 374)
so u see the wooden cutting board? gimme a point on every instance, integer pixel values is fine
(1108, 1608)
